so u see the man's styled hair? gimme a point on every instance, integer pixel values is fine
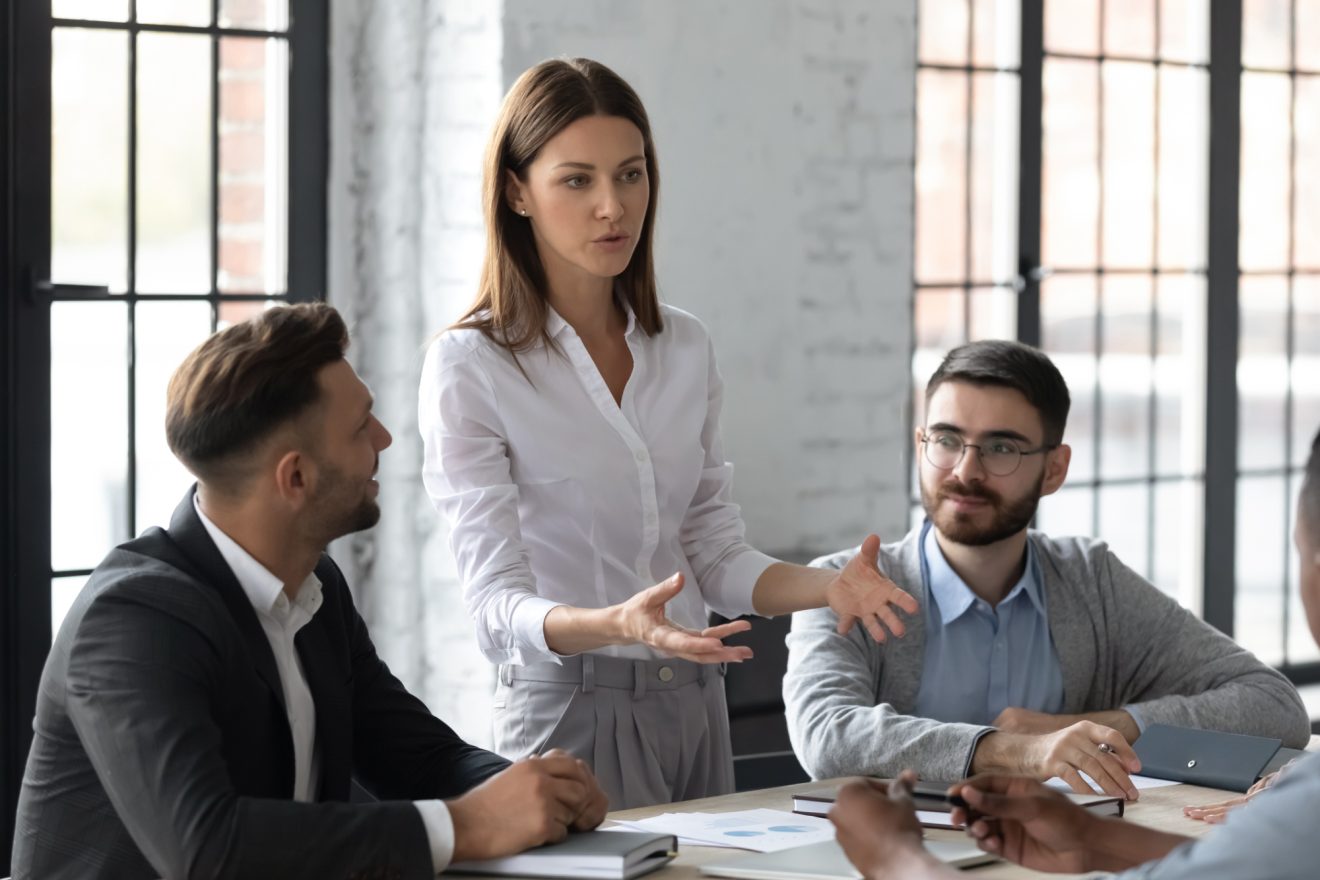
(1008, 364)
(1310, 495)
(243, 383)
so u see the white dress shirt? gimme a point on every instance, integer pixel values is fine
(280, 620)
(556, 494)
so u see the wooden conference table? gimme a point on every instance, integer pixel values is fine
(1158, 807)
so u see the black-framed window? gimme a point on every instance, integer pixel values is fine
(169, 158)
(169, 189)
(1167, 253)
(967, 184)
(1278, 375)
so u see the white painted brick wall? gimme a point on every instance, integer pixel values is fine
(785, 138)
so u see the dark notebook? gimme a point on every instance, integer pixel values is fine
(1230, 761)
(817, 802)
(612, 855)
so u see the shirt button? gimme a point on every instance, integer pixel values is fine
(665, 674)
(641, 455)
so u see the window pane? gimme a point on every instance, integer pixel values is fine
(1129, 165)
(270, 15)
(193, 12)
(994, 314)
(89, 157)
(1264, 214)
(942, 31)
(940, 321)
(1130, 28)
(1179, 518)
(1070, 511)
(166, 332)
(1125, 378)
(1266, 33)
(1125, 524)
(1183, 173)
(1262, 373)
(63, 591)
(1306, 207)
(998, 33)
(253, 161)
(1070, 184)
(88, 431)
(95, 10)
(174, 173)
(1258, 608)
(941, 176)
(1067, 316)
(1308, 36)
(1179, 375)
(1301, 644)
(994, 176)
(1185, 30)
(1305, 366)
(1072, 26)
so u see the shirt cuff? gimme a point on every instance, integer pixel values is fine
(1136, 716)
(529, 630)
(971, 753)
(737, 582)
(439, 832)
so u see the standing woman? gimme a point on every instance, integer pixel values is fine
(571, 428)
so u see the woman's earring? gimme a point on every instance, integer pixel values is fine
(523, 212)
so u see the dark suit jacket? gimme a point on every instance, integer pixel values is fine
(162, 745)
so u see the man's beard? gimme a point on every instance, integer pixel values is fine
(341, 506)
(1009, 518)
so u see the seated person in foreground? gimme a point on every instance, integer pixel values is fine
(213, 691)
(1272, 839)
(1030, 652)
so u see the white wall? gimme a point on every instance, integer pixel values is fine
(785, 138)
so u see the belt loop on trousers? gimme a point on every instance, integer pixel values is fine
(506, 674)
(588, 673)
(703, 671)
(639, 679)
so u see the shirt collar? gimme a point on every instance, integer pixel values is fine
(952, 595)
(264, 590)
(555, 323)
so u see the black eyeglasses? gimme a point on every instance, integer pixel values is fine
(1000, 457)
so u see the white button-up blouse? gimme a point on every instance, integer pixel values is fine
(557, 495)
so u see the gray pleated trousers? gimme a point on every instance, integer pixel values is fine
(653, 731)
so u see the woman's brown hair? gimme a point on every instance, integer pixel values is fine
(511, 303)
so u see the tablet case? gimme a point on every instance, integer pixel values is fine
(1229, 761)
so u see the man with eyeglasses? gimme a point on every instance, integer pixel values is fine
(1032, 654)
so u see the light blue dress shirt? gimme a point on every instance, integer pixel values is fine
(1271, 838)
(980, 660)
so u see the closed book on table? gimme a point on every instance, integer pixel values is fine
(1231, 761)
(817, 802)
(613, 855)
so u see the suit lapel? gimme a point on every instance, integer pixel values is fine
(190, 536)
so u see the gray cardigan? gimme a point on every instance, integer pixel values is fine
(1120, 642)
